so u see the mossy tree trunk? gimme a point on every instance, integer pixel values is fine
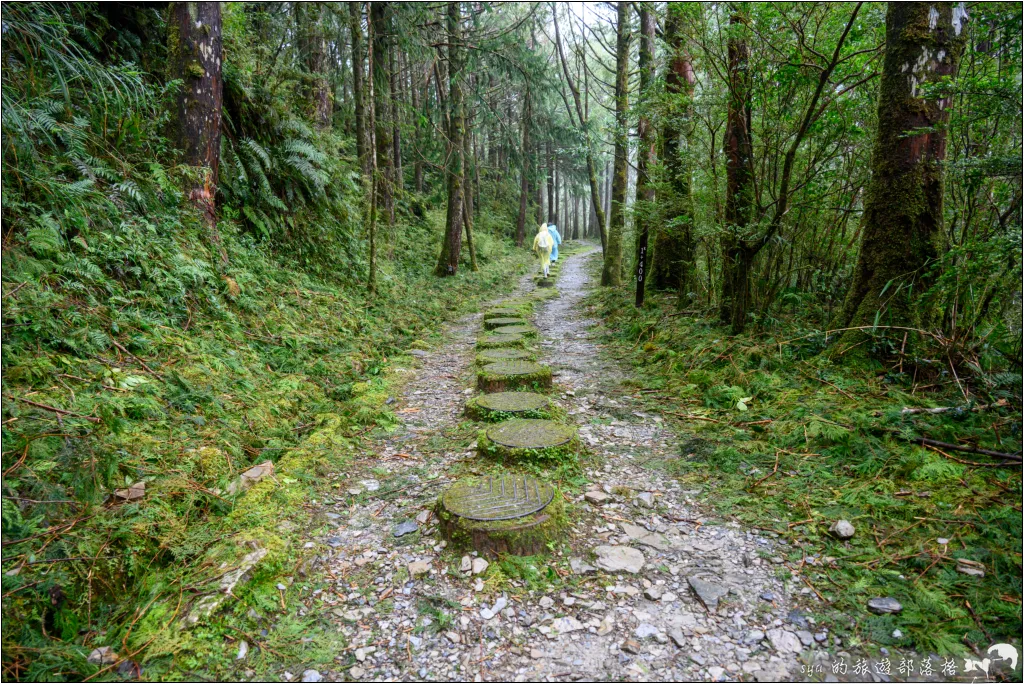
(194, 57)
(312, 46)
(902, 221)
(380, 18)
(524, 193)
(646, 155)
(448, 261)
(358, 86)
(674, 247)
(611, 274)
(739, 191)
(467, 197)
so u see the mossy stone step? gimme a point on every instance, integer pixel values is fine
(505, 405)
(546, 282)
(493, 355)
(492, 323)
(501, 341)
(524, 330)
(529, 440)
(502, 312)
(502, 376)
(522, 515)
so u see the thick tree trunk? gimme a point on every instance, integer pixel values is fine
(194, 56)
(381, 24)
(902, 221)
(396, 111)
(739, 197)
(312, 46)
(674, 247)
(448, 261)
(646, 157)
(611, 274)
(358, 86)
(467, 203)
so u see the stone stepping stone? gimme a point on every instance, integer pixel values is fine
(502, 376)
(493, 355)
(512, 514)
(529, 440)
(546, 282)
(521, 329)
(501, 406)
(500, 341)
(492, 323)
(502, 312)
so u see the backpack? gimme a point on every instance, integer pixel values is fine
(545, 241)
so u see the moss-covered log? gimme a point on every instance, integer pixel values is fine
(502, 376)
(530, 441)
(500, 406)
(492, 323)
(501, 342)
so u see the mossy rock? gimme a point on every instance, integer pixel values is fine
(494, 408)
(502, 376)
(526, 535)
(545, 282)
(530, 441)
(492, 323)
(524, 330)
(501, 342)
(502, 312)
(494, 355)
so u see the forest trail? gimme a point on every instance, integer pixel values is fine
(705, 605)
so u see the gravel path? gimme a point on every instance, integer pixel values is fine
(705, 605)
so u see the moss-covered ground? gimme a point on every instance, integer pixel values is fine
(784, 435)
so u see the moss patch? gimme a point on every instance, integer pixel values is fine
(502, 376)
(552, 444)
(524, 330)
(502, 321)
(493, 341)
(494, 355)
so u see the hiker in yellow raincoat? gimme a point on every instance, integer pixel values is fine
(542, 244)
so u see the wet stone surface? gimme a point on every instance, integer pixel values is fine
(650, 625)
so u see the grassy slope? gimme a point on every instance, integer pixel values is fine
(787, 439)
(174, 377)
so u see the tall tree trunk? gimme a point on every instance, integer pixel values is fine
(467, 200)
(524, 193)
(674, 247)
(611, 274)
(902, 220)
(448, 261)
(358, 87)
(194, 56)
(646, 156)
(312, 46)
(739, 197)
(550, 159)
(381, 21)
(396, 117)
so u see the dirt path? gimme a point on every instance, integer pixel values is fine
(705, 605)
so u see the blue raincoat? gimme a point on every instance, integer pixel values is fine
(557, 238)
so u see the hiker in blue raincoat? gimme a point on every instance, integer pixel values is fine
(557, 238)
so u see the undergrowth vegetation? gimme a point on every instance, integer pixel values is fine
(789, 437)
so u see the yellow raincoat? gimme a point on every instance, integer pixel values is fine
(542, 245)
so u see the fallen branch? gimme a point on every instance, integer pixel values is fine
(58, 411)
(969, 449)
(943, 409)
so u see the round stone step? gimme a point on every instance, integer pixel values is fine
(524, 330)
(501, 406)
(492, 355)
(546, 282)
(502, 312)
(492, 323)
(512, 514)
(500, 341)
(529, 440)
(502, 376)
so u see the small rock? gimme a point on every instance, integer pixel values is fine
(645, 499)
(897, 634)
(335, 542)
(417, 568)
(546, 602)
(842, 529)
(565, 625)
(133, 492)
(356, 672)
(716, 673)
(406, 527)
(654, 593)
(619, 558)
(312, 676)
(754, 636)
(678, 638)
(581, 567)
(884, 606)
(361, 653)
(805, 637)
(708, 592)
(645, 630)
(606, 626)
(630, 646)
(424, 517)
(536, 653)
(784, 641)
(104, 655)
(597, 497)
(453, 637)
(466, 564)
(243, 650)
(370, 485)
(820, 637)
(479, 566)
(768, 596)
